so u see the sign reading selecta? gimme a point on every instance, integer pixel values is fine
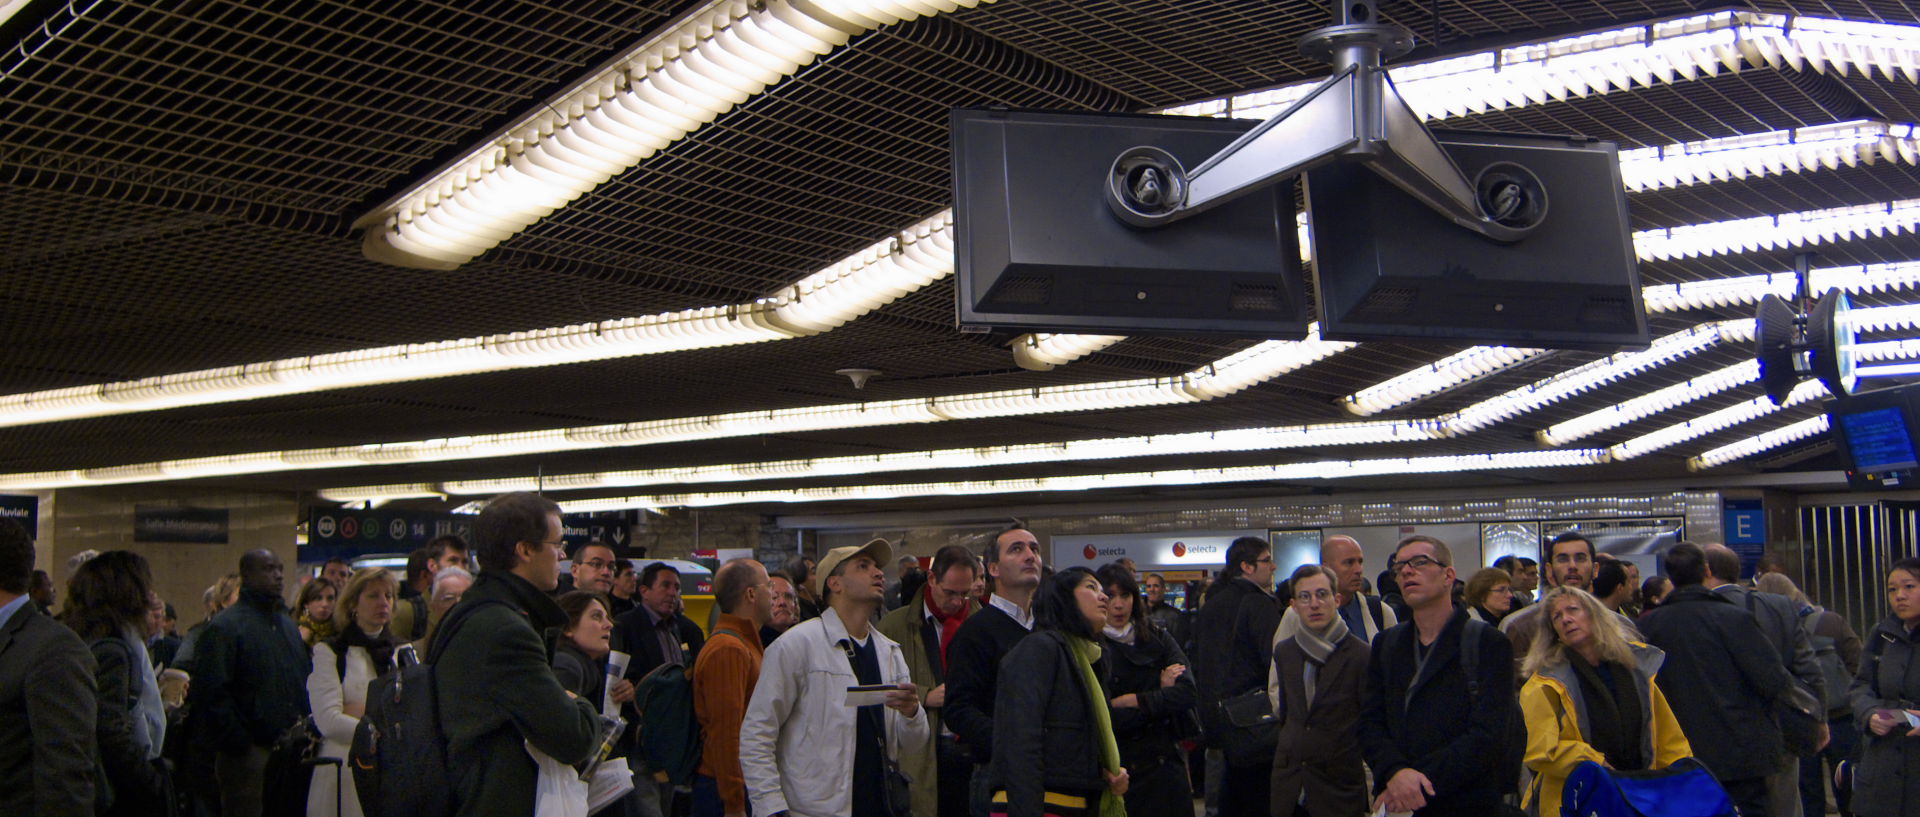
(1193, 548)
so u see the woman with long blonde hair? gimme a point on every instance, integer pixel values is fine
(361, 651)
(1591, 695)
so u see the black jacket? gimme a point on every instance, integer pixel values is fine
(1150, 733)
(973, 664)
(1043, 725)
(1440, 730)
(1232, 643)
(1888, 777)
(580, 673)
(249, 671)
(132, 783)
(46, 718)
(497, 689)
(633, 634)
(1720, 677)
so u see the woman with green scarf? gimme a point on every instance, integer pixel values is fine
(1054, 753)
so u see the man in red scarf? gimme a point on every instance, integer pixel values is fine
(940, 770)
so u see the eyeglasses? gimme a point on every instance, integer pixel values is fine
(598, 564)
(1309, 597)
(1265, 560)
(1415, 563)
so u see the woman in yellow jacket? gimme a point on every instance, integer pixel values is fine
(1590, 695)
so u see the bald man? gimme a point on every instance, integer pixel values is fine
(1365, 616)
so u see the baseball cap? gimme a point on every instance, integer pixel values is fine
(878, 549)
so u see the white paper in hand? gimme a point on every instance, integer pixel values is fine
(870, 694)
(616, 670)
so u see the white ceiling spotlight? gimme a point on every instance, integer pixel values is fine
(1766, 441)
(1041, 352)
(824, 300)
(655, 93)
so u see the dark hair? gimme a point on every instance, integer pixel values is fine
(1686, 564)
(438, 546)
(783, 574)
(911, 583)
(1509, 563)
(1650, 587)
(417, 566)
(795, 571)
(950, 557)
(1055, 608)
(1116, 576)
(1309, 571)
(574, 604)
(1724, 563)
(505, 522)
(651, 573)
(992, 554)
(312, 590)
(1607, 578)
(591, 543)
(16, 556)
(336, 559)
(1573, 536)
(621, 566)
(730, 584)
(1243, 550)
(1526, 562)
(1909, 564)
(108, 592)
(1387, 584)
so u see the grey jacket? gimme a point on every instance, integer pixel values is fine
(46, 718)
(1779, 620)
(1887, 781)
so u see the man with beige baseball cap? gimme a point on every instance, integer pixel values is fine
(818, 727)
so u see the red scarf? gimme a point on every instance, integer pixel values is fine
(948, 624)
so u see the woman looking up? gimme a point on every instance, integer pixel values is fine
(1591, 695)
(1054, 749)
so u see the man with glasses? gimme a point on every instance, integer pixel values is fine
(924, 626)
(1571, 559)
(1233, 645)
(497, 691)
(593, 567)
(1365, 616)
(1438, 697)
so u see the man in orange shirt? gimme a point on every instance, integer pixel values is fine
(723, 678)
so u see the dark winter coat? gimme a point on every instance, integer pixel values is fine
(46, 718)
(497, 689)
(973, 666)
(1233, 641)
(133, 783)
(1149, 734)
(1043, 726)
(1319, 746)
(1887, 781)
(578, 672)
(1721, 677)
(249, 671)
(1436, 731)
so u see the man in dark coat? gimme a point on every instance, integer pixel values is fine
(1434, 738)
(973, 657)
(496, 682)
(655, 633)
(1721, 677)
(46, 698)
(249, 673)
(1233, 642)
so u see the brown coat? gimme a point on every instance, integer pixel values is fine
(1319, 748)
(723, 680)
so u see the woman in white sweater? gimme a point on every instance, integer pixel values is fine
(337, 688)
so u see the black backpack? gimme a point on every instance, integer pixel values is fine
(399, 753)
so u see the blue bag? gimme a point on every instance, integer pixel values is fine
(1684, 789)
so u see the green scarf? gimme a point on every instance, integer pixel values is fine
(1085, 652)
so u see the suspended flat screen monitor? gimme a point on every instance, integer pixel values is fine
(1388, 267)
(1039, 249)
(1874, 433)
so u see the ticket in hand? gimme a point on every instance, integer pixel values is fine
(870, 694)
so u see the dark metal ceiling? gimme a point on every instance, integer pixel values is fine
(180, 180)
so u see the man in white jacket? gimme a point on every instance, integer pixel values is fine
(805, 746)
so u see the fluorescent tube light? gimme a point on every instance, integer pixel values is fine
(1785, 435)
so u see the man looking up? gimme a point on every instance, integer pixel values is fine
(804, 751)
(249, 682)
(723, 681)
(1233, 644)
(1434, 738)
(497, 690)
(973, 657)
(925, 628)
(1570, 563)
(786, 606)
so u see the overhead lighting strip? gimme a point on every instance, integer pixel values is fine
(706, 63)
(1604, 62)
(826, 299)
(1840, 144)
(1741, 449)
(1256, 364)
(1774, 232)
(1332, 469)
(1446, 373)
(1715, 421)
(1043, 352)
(1205, 442)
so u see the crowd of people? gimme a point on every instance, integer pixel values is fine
(985, 683)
